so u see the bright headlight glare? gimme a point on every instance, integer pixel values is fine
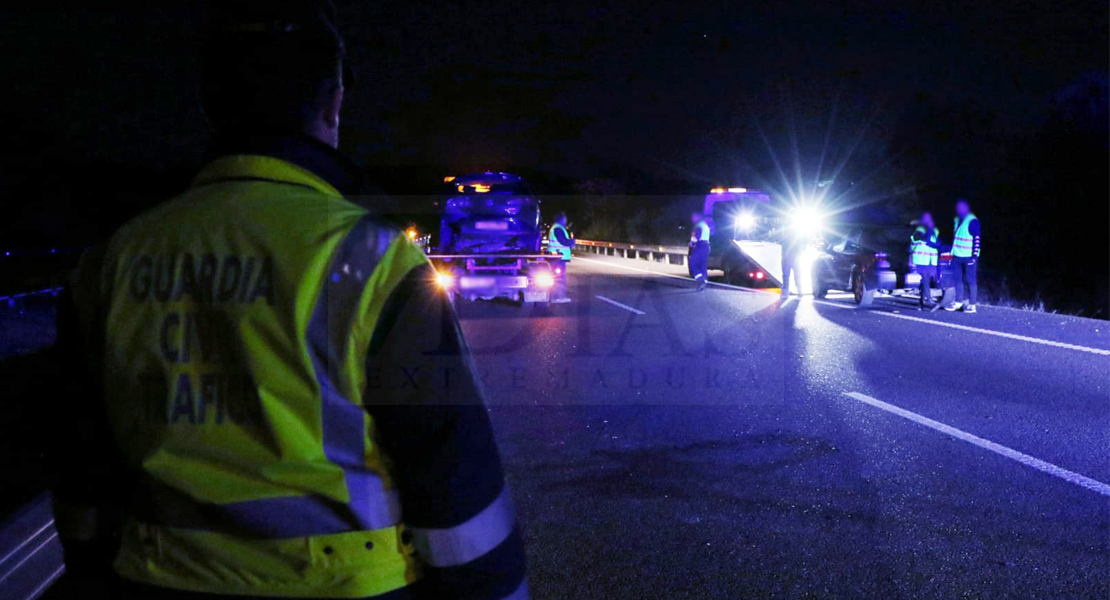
(806, 220)
(745, 222)
(545, 280)
(445, 280)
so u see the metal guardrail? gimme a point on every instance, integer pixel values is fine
(30, 554)
(650, 252)
(10, 299)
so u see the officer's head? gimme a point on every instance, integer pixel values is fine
(927, 220)
(561, 218)
(696, 217)
(963, 209)
(274, 67)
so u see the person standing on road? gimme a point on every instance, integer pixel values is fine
(924, 256)
(698, 258)
(793, 244)
(965, 256)
(560, 242)
(241, 358)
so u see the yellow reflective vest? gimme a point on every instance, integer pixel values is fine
(554, 246)
(920, 252)
(238, 321)
(963, 243)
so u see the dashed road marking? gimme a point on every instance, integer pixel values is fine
(1070, 476)
(619, 305)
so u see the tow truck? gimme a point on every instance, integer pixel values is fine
(741, 223)
(863, 251)
(490, 241)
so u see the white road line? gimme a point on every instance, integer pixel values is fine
(1029, 461)
(619, 305)
(1012, 336)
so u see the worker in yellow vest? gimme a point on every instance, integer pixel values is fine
(259, 363)
(965, 258)
(559, 241)
(924, 256)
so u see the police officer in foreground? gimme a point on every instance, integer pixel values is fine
(274, 400)
(560, 242)
(924, 256)
(699, 251)
(965, 255)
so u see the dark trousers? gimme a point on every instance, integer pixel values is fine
(964, 269)
(699, 262)
(927, 272)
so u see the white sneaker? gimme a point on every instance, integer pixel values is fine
(970, 308)
(953, 307)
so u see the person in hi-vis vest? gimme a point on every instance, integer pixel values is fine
(965, 258)
(924, 256)
(559, 241)
(257, 406)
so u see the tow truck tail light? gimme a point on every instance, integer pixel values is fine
(545, 280)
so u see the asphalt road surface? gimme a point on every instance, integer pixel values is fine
(664, 443)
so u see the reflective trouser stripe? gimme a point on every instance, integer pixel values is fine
(470, 540)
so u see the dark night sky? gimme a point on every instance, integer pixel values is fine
(576, 86)
(1004, 102)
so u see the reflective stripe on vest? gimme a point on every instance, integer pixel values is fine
(554, 246)
(259, 476)
(963, 244)
(921, 253)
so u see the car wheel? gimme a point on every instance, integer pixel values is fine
(864, 294)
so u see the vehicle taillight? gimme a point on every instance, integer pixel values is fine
(880, 260)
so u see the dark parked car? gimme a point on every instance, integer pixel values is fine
(868, 259)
